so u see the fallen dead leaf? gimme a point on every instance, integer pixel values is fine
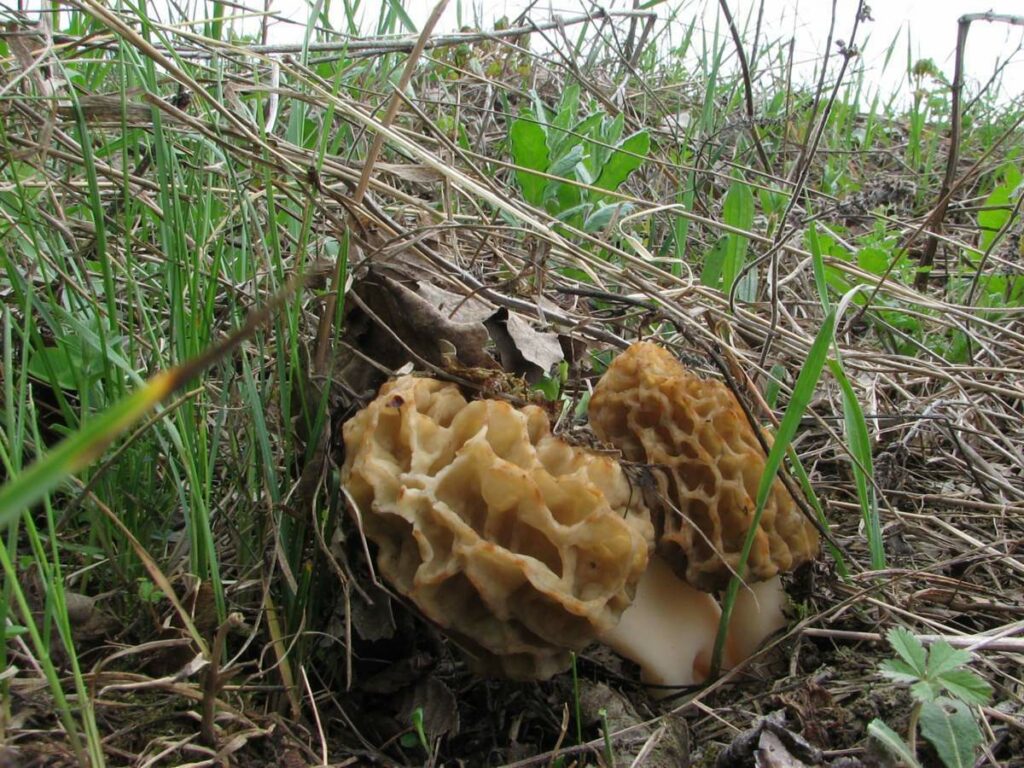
(440, 709)
(523, 349)
(769, 744)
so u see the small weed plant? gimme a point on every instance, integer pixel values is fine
(589, 151)
(944, 692)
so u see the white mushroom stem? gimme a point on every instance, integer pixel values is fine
(670, 628)
(756, 616)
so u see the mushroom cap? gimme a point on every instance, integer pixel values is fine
(517, 544)
(708, 464)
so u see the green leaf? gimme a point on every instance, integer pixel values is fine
(529, 151)
(966, 685)
(994, 214)
(588, 125)
(548, 386)
(943, 657)
(711, 275)
(567, 163)
(613, 129)
(774, 384)
(859, 443)
(951, 728)
(629, 156)
(409, 740)
(909, 649)
(559, 198)
(896, 670)
(568, 106)
(57, 365)
(925, 690)
(873, 259)
(603, 214)
(606, 134)
(560, 141)
(818, 262)
(737, 211)
(567, 214)
(889, 739)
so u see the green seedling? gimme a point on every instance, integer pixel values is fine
(944, 692)
(417, 735)
(609, 753)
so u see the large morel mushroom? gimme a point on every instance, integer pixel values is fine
(520, 546)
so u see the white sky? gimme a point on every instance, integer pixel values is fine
(932, 27)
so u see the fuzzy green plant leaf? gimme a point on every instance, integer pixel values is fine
(891, 740)
(563, 125)
(565, 164)
(568, 107)
(628, 156)
(944, 658)
(576, 211)
(601, 216)
(930, 672)
(607, 134)
(950, 727)
(580, 132)
(529, 152)
(898, 671)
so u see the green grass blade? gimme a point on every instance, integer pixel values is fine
(80, 449)
(860, 450)
(856, 427)
(803, 391)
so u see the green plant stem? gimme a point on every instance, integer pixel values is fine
(915, 715)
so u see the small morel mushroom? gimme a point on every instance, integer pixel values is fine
(520, 546)
(708, 463)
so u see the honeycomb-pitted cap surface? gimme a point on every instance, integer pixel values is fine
(519, 545)
(708, 463)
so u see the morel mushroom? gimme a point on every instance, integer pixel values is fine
(707, 463)
(520, 546)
